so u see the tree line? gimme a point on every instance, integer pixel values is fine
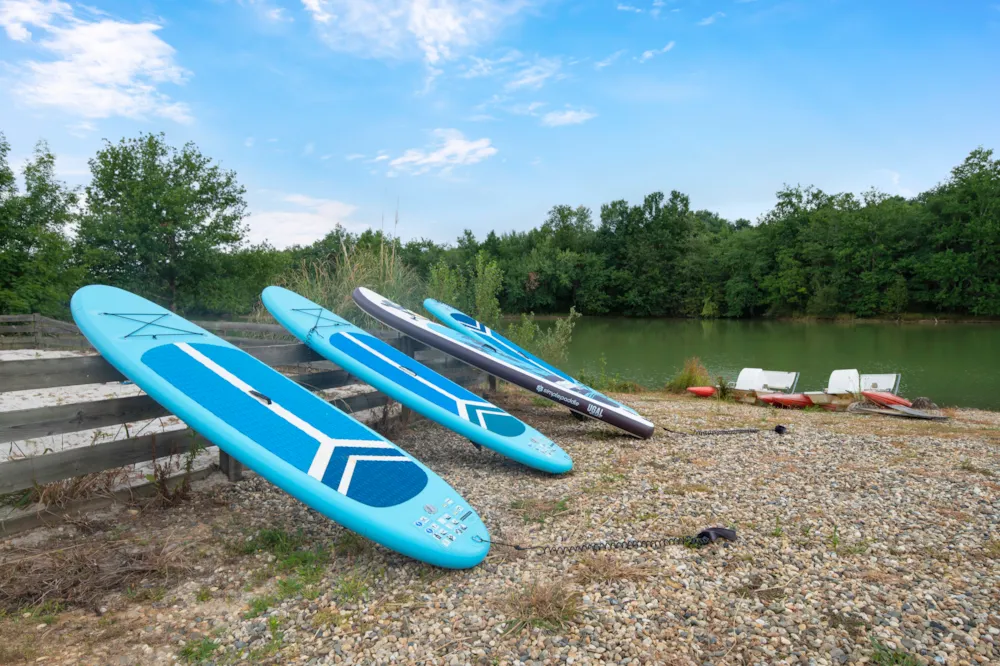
(169, 223)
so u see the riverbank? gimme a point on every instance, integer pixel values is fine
(858, 536)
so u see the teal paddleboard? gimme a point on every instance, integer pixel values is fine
(292, 438)
(540, 377)
(412, 383)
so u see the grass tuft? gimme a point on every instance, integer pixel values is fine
(968, 466)
(692, 374)
(602, 568)
(197, 652)
(538, 510)
(546, 605)
(884, 656)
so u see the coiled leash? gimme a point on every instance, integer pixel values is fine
(703, 538)
(780, 429)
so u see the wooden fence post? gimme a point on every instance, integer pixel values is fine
(231, 467)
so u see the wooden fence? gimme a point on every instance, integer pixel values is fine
(293, 359)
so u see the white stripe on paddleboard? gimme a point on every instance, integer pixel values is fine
(326, 443)
(352, 461)
(461, 403)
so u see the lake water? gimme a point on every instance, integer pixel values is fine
(953, 364)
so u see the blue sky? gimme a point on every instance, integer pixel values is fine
(483, 114)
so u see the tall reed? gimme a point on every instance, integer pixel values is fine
(331, 281)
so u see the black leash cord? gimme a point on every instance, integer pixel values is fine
(703, 538)
(780, 429)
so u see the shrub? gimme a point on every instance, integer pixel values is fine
(602, 381)
(692, 374)
(552, 343)
(486, 290)
(446, 284)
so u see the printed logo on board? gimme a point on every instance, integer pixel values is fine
(594, 410)
(540, 388)
(430, 508)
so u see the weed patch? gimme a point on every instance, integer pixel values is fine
(197, 652)
(692, 374)
(549, 606)
(968, 466)
(538, 510)
(259, 606)
(885, 656)
(350, 588)
(602, 567)
(83, 573)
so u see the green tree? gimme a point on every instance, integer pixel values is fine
(36, 269)
(158, 217)
(446, 285)
(486, 288)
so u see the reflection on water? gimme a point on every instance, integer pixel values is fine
(953, 364)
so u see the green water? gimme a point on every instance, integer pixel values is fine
(953, 364)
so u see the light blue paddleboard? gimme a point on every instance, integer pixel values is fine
(292, 438)
(412, 383)
(514, 368)
(606, 409)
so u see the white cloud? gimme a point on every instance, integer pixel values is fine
(436, 29)
(248, 142)
(709, 20)
(267, 11)
(101, 67)
(17, 15)
(657, 8)
(315, 7)
(567, 117)
(628, 8)
(354, 156)
(895, 179)
(488, 67)
(652, 53)
(309, 148)
(451, 149)
(530, 109)
(81, 129)
(308, 220)
(601, 64)
(536, 74)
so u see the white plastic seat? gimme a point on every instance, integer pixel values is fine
(888, 383)
(750, 379)
(844, 381)
(776, 380)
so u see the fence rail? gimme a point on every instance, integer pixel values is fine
(293, 359)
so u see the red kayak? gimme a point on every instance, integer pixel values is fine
(790, 400)
(702, 391)
(886, 399)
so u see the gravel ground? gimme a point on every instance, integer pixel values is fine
(862, 539)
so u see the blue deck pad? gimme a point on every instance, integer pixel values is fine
(444, 393)
(377, 483)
